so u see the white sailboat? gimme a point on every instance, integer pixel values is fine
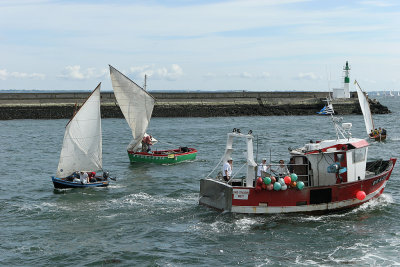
(327, 109)
(137, 106)
(366, 110)
(82, 147)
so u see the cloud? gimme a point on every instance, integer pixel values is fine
(242, 75)
(379, 3)
(75, 73)
(210, 75)
(172, 73)
(265, 75)
(369, 80)
(4, 75)
(307, 76)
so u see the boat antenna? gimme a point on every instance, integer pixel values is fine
(343, 130)
(270, 156)
(145, 82)
(257, 150)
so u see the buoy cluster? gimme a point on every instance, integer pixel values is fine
(271, 183)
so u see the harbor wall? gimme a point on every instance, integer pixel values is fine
(196, 104)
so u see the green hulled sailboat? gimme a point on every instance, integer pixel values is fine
(137, 106)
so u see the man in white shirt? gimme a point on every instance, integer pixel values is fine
(227, 169)
(83, 177)
(262, 168)
(282, 170)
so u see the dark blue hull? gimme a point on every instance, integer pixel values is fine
(60, 183)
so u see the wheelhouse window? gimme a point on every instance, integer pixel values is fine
(359, 154)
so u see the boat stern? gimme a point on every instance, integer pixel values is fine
(215, 194)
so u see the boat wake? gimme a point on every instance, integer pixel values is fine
(378, 203)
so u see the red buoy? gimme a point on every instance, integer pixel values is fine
(360, 195)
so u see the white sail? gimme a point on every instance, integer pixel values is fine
(82, 146)
(135, 103)
(363, 99)
(329, 109)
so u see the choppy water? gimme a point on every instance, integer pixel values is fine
(151, 216)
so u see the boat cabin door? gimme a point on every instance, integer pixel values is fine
(341, 175)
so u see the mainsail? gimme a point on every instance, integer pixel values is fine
(82, 146)
(364, 104)
(135, 103)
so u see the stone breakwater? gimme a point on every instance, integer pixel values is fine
(207, 104)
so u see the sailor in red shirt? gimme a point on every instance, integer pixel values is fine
(146, 143)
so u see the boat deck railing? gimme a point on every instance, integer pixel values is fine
(301, 170)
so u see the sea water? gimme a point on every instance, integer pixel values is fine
(150, 215)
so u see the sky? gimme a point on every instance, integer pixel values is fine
(210, 45)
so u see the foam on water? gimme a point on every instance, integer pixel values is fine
(150, 215)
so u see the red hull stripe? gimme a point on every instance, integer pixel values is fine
(165, 153)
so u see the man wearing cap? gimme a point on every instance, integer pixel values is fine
(262, 168)
(227, 169)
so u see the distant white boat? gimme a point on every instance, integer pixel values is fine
(327, 109)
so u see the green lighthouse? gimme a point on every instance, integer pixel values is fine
(346, 70)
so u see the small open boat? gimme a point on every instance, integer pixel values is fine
(137, 106)
(164, 156)
(366, 111)
(82, 147)
(327, 175)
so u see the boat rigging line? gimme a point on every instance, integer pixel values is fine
(233, 176)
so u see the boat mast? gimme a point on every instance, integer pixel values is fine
(145, 82)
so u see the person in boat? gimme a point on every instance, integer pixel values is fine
(106, 175)
(146, 144)
(383, 131)
(227, 169)
(282, 170)
(83, 178)
(74, 175)
(371, 134)
(262, 168)
(92, 178)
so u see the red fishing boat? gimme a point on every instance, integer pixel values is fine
(325, 176)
